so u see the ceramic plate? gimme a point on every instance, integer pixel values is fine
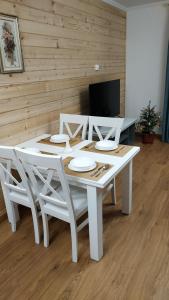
(59, 138)
(106, 145)
(82, 162)
(82, 170)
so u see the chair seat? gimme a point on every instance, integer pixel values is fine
(79, 198)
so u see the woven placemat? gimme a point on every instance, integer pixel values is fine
(95, 174)
(120, 151)
(72, 142)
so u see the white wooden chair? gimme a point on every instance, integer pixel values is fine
(16, 191)
(66, 203)
(114, 126)
(68, 119)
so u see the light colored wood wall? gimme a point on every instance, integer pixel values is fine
(61, 40)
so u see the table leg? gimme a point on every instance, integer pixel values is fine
(95, 216)
(127, 189)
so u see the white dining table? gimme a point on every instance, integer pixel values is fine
(95, 188)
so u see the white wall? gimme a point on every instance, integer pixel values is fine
(147, 41)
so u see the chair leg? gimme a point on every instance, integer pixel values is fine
(12, 216)
(10, 210)
(74, 242)
(45, 229)
(36, 225)
(17, 217)
(13, 226)
(113, 192)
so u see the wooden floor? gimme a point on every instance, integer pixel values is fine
(136, 248)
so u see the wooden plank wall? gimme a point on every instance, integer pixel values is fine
(61, 40)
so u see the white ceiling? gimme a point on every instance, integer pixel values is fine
(127, 4)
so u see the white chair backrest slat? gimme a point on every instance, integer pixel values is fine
(67, 119)
(8, 162)
(115, 125)
(68, 130)
(13, 178)
(54, 201)
(98, 133)
(8, 175)
(47, 187)
(47, 169)
(15, 188)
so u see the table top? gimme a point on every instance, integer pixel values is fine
(118, 162)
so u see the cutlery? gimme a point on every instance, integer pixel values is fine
(103, 168)
(89, 146)
(95, 172)
(122, 148)
(117, 151)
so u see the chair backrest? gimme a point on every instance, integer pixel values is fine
(115, 125)
(12, 182)
(66, 120)
(46, 169)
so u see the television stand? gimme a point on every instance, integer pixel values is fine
(128, 131)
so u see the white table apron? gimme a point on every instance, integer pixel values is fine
(94, 190)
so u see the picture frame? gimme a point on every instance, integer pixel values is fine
(11, 59)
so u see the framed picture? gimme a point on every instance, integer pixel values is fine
(10, 47)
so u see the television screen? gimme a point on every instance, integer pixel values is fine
(104, 98)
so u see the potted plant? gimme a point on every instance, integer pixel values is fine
(149, 120)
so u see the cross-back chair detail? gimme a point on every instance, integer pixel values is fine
(16, 190)
(56, 201)
(47, 177)
(114, 125)
(81, 121)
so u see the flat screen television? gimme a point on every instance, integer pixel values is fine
(104, 98)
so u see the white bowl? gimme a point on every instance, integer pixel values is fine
(106, 145)
(32, 150)
(82, 163)
(59, 138)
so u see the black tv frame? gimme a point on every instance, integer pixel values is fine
(104, 98)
